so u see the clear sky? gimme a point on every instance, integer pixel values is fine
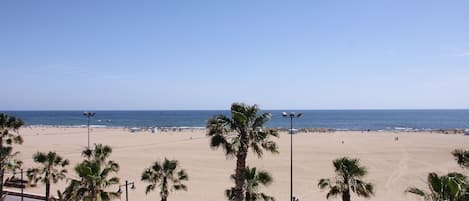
(174, 54)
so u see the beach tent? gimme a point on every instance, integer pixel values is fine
(466, 132)
(292, 131)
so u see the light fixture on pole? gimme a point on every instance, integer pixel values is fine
(292, 115)
(88, 115)
(127, 183)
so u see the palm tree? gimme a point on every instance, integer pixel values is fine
(462, 157)
(450, 187)
(167, 175)
(48, 173)
(94, 173)
(236, 134)
(8, 125)
(99, 154)
(254, 179)
(349, 175)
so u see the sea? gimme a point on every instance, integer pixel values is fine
(331, 119)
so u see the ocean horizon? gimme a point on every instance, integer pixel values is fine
(369, 119)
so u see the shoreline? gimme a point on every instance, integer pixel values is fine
(301, 130)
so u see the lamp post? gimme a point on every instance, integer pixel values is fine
(88, 115)
(22, 187)
(127, 183)
(20, 183)
(292, 115)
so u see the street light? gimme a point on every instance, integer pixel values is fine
(88, 115)
(21, 183)
(292, 115)
(127, 183)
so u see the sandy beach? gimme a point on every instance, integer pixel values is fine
(393, 165)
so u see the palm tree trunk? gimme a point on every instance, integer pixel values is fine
(94, 194)
(47, 191)
(248, 196)
(346, 195)
(240, 169)
(2, 169)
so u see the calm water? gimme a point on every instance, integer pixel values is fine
(337, 119)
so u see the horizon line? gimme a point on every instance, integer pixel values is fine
(124, 110)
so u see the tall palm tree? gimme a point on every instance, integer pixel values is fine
(167, 175)
(95, 173)
(9, 126)
(254, 179)
(450, 187)
(462, 157)
(348, 178)
(236, 134)
(52, 170)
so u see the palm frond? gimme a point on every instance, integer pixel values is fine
(461, 157)
(229, 193)
(265, 197)
(323, 183)
(361, 188)
(166, 175)
(333, 192)
(348, 171)
(452, 187)
(253, 179)
(95, 174)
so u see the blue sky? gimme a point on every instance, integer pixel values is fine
(60, 55)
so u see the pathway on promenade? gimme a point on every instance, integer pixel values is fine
(18, 198)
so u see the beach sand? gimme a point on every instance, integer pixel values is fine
(392, 165)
